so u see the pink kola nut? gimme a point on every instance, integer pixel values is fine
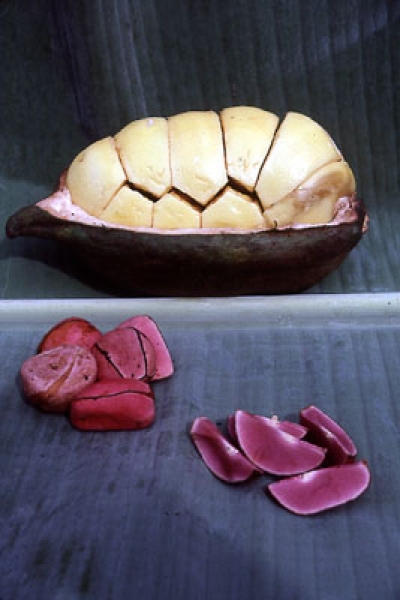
(112, 406)
(230, 427)
(164, 366)
(273, 450)
(124, 353)
(54, 377)
(326, 432)
(72, 331)
(322, 489)
(294, 429)
(222, 458)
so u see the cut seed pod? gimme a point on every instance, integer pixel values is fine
(54, 377)
(320, 490)
(206, 204)
(326, 432)
(163, 362)
(273, 450)
(72, 331)
(224, 460)
(125, 352)
(119, 404)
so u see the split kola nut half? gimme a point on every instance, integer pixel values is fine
(241, 169)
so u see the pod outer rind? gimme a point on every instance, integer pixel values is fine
(221, 263)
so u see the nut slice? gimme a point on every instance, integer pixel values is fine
(197, 155)
(248, 134)
(301, 147)
(95, 175)
(144, 152)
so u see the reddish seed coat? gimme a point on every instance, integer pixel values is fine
(105, 387)
(164, 365)
(72, 331)
(112, 405)
(124, 353)
(54, 377)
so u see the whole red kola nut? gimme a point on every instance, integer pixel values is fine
(54, 377)
(125, 353)
(113, 405)
(73, 331)
(146, 325)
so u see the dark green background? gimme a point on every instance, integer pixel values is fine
(72, 72)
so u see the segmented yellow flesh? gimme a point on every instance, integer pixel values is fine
(143, 147)
(281, 213)
(319, 193)
(314, 200)
(197, 155)
(129, 208)
(301, 146)
(95, 175)
(318, 213)
(248, 134)
(234, 210)
(335, 178)
(289, 173)
(174, 212)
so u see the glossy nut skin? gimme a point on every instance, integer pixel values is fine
(125, 352)
(323, 430)
(164, 366)
(274, 450)
(113, 405)
(223, 459)
(73, 331)
(323, 489)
